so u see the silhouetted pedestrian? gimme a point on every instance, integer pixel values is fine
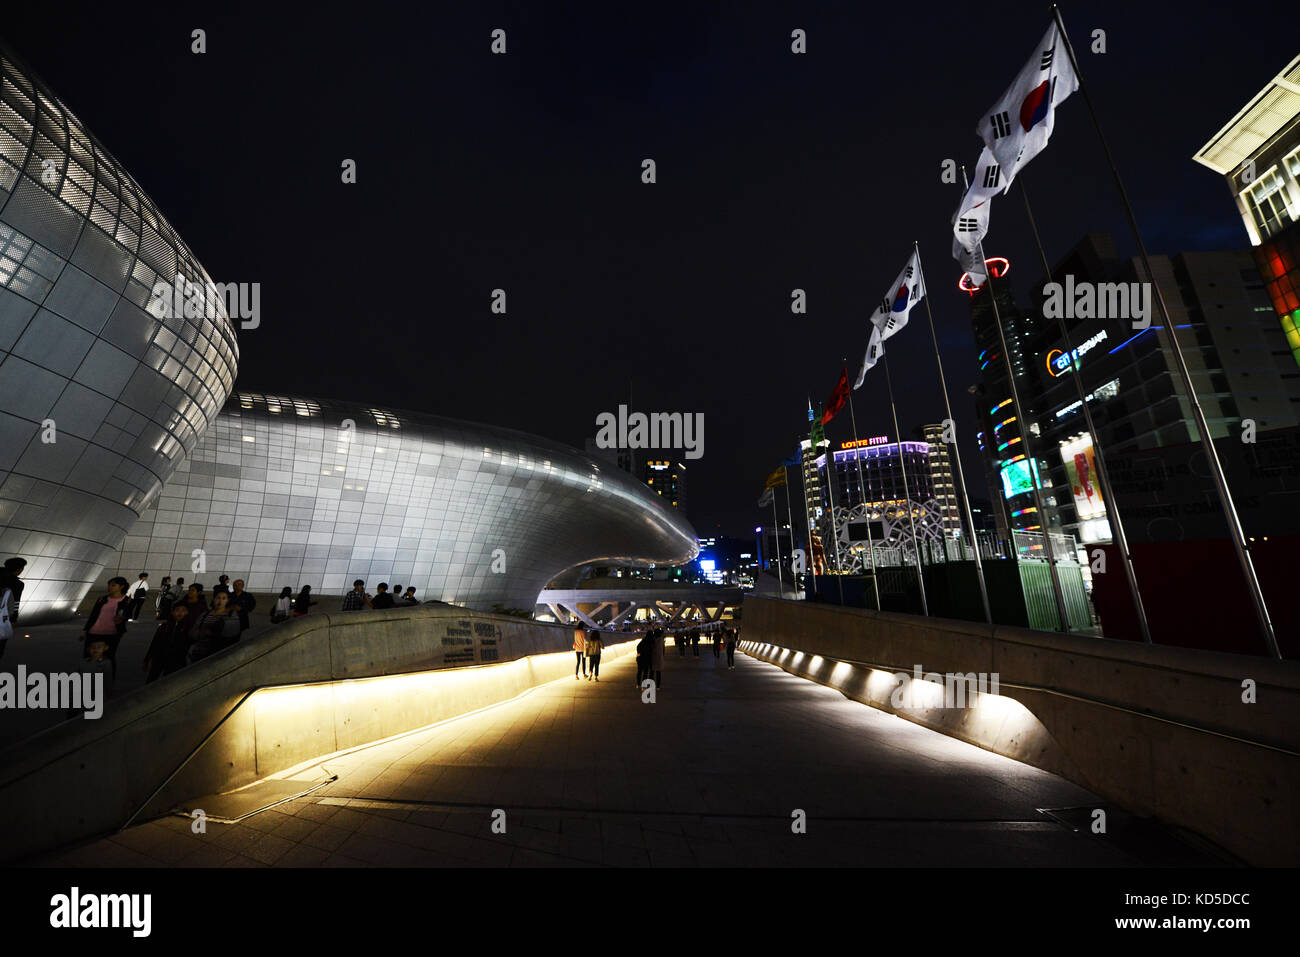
(243, 603)
(170, 643)
(166, 598)
(11, 592)
(593, 648)
(382, 598)
(283, 607)
(580, 648)
(137, 593)
(302, 604)
(731, 649)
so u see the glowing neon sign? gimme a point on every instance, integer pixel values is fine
(1058, 363)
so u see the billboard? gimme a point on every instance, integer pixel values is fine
(1081, 472)
(1015, 479)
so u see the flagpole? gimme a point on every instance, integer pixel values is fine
(1103, 475)
(1207, 443)
(866, 507)
(790, 514)
(907, 494)
(956, 453)
(1030, 457)
(835, 534)
(780, 579)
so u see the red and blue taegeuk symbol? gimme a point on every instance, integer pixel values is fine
(1034, 110)
(900, 298)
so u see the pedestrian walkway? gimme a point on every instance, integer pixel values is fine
(712, 773)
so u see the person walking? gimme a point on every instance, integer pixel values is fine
(695, 643)
(171, 641)
(357, 599)
(731, 649)
(717, 644)
(11, 592)
(679, 640)
(643, 657)
(657, 658)
(136, 593)
(106, 623)
(217, 629)
(580, 648)
(243, 603)
(593, 648)
(166, 598)
(195, 604)
(283, 606)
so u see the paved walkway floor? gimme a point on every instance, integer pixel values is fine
(710, 775)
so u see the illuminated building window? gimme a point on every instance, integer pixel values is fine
(1266, 200)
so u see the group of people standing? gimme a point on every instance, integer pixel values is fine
(190, 627)
(588, 645)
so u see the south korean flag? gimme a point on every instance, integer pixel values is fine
(875, 349)
(891, 315)
(971, 223)
(1019, 125)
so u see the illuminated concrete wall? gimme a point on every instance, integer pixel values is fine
(294, 491)
(124, 394)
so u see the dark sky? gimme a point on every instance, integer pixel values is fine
(522, 172)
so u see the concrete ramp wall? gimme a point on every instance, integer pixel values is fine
(1157, 730)
(310, 687)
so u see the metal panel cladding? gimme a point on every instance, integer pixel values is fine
(100, 398)
(294, 491)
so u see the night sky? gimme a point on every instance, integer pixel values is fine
(523, 172)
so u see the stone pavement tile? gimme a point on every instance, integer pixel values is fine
(268, 848)
(581, 849)
(232, 837)
(326, 836)
(294, 829)
(312, 811)
(349, 818)
(102, 853)
(239, 860)
(532, 838)
(625, 833)
(342, 860)
(476, 851)
(620, 855)
(179, 846)
(206, 856)
(143, 838)
(663, 843)
(665, 859)
(265, 821)
(302, 855)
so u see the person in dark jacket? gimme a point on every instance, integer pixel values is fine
(382, 598)
(731, 649)
(302, 604)
(106, 622)
(170, 643)
(643, 657)
(243, 604)
(10, 582)
(195, 604)
(166, 598)
(217, 629)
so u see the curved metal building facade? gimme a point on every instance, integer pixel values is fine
(101, 397)
(293, 491)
